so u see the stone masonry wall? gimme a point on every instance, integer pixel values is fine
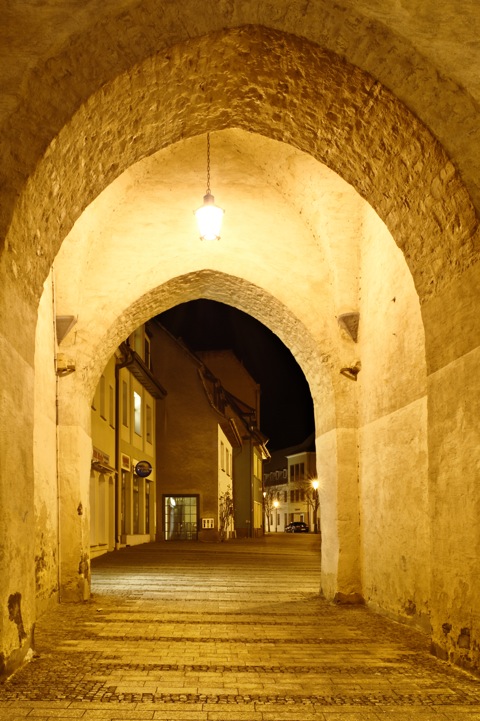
(393, 471)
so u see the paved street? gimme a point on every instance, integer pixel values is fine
(228, 632)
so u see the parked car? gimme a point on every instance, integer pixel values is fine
(296, 527)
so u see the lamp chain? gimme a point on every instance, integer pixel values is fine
(208, 163)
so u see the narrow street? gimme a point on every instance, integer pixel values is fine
(228, 632)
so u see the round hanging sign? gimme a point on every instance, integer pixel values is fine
(143, 469)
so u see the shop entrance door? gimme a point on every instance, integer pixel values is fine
(180, 520)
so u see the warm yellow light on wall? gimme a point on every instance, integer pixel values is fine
(209, 216)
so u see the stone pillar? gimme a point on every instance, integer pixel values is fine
(17, 552)
(452, 325)
(74, 463)
(45, 456)
(337, 470)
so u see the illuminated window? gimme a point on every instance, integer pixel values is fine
(137, 413)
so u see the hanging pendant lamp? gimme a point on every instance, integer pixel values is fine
(209, 216)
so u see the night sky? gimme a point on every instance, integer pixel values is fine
(286, 406)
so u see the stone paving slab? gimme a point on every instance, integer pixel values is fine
(228, 632)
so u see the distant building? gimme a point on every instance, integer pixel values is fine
(248, 459)
(209, 447)
(196, 437)
(122, 496)
(289, 492)
(200, 445)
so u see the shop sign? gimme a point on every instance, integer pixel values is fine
(143, 469)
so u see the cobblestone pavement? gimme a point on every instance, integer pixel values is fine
(228, 632)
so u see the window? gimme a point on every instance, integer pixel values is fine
(180, 518)
(222, 456)
(148, 424)
(137, 413)
(138, 345)
(136, 505)
(147, 507)
(292, 496)
(148, 356)
(102, 398)
(111, 406)
(285, 496)
(123, 503)
(125, 403)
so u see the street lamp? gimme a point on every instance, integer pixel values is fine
(209, 216)
(316, 503)
(264, 494)
(275, 505)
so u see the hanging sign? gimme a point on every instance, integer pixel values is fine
(143, 469)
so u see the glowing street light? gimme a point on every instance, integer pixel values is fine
(209, 216)
(275, 505)
(316, 504)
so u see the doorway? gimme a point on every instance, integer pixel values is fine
(180, 519)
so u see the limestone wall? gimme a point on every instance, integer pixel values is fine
(454, 458)
(393, 473)
(17, 547)
(45, 455)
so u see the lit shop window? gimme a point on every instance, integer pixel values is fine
(137, 413)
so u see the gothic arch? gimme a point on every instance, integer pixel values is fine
(321, 105)
(245, 296)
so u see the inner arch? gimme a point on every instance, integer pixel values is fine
(248, 298)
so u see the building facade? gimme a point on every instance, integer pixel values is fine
(249, 458)
(123, 490)
(208, 449)
(292, 488)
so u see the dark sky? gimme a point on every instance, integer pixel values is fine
(286, 404)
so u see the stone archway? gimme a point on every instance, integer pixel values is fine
(410, 183)
(329, 109)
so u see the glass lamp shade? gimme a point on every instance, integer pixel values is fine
(209, 218)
